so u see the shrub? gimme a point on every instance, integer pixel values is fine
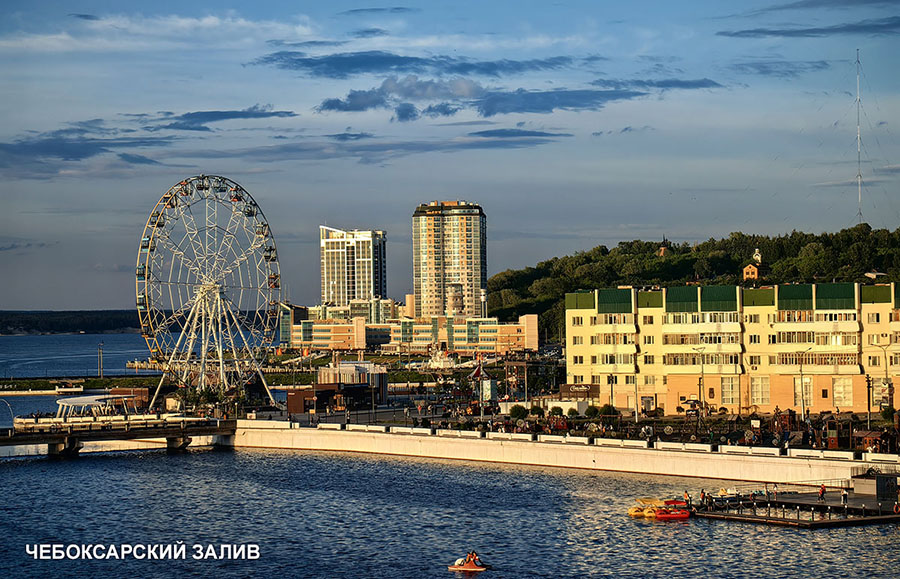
(572, 413)
(556, 411)
(537, 411)
(888, 413)
(592, 412)
(517, 412)
(608, 410)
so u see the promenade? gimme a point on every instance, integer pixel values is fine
(755, 464)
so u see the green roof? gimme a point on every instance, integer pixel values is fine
(835, 296)
(681, 299)
(759, 297)
(795, 297)
(718, 298)
(650, 299)
(580, 300)
(875, 294)
(614, 301)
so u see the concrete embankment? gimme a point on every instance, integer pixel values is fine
(30, 450)
(548, 451)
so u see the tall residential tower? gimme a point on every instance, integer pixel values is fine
(353, 265)
(450, 259)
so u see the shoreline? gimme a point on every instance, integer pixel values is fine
(550, 453)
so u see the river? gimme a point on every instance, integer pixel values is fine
(316, 514)
(57, 355)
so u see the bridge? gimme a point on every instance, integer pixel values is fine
(66, 436)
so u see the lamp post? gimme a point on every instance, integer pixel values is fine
(802, 385)
(887, 378)
(100, 360)
(700, 384)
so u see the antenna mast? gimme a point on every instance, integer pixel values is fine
(858, 147)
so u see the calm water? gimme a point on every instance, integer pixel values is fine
(334, 515)
(68, 354)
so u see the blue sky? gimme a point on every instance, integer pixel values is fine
(573, 124)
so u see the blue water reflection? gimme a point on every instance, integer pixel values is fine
(348, 515)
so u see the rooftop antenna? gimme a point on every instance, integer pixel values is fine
(858, 147)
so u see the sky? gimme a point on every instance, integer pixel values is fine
(573, 124)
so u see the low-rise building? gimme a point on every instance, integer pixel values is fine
(455, 335)
(813, 346)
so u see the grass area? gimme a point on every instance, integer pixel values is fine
(88, 383)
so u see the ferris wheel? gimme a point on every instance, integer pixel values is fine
(208, 285)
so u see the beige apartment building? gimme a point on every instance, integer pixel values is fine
(790, 346)
(450, 259)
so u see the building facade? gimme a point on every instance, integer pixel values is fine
(353, 265)
(819, 347)
(455, 335)
(450, 259)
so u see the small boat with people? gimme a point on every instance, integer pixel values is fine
(471, 563)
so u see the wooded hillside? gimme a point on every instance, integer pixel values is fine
(797, 257)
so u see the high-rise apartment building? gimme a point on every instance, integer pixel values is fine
(450, 259)
(353, 265)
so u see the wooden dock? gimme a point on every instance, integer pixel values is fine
(804, 510)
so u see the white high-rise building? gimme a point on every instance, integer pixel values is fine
(449, 259)
(353, 265)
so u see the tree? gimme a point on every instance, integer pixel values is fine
(537, 411)
(556, 411)
(572, 413)
(518, 412)
(592, 412)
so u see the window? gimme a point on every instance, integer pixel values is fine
(729, 390)
(597, 379)
(577, 321)
(612, 379)
(755, 360)
(648, 359)
(593, 320)
(593, 359)
(576, 340)
(647, 320)
(578, 359)
(754, 338)
(648, 339)
(577, 379)
(630, 380)
(874, 360)
(842, 391)
(874, 318)
(759, 390)
(751, 319)
(772, 338)
(649, 380)
(595, 339)
(804, 397)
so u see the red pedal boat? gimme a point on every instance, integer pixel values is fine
(672, 514)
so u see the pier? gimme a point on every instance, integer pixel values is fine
(67, 437)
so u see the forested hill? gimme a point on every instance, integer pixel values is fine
(797, 257)
(89, 321)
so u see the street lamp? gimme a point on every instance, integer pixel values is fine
(802, 385)
(100, 360)
(11, 415)
(700, 384)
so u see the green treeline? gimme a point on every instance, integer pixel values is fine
(88, 321)
(796, 257)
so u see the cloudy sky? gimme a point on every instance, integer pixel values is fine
(573, 124)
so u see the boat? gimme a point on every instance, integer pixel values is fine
(475, 566)
(672, 514)
(662, 510)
